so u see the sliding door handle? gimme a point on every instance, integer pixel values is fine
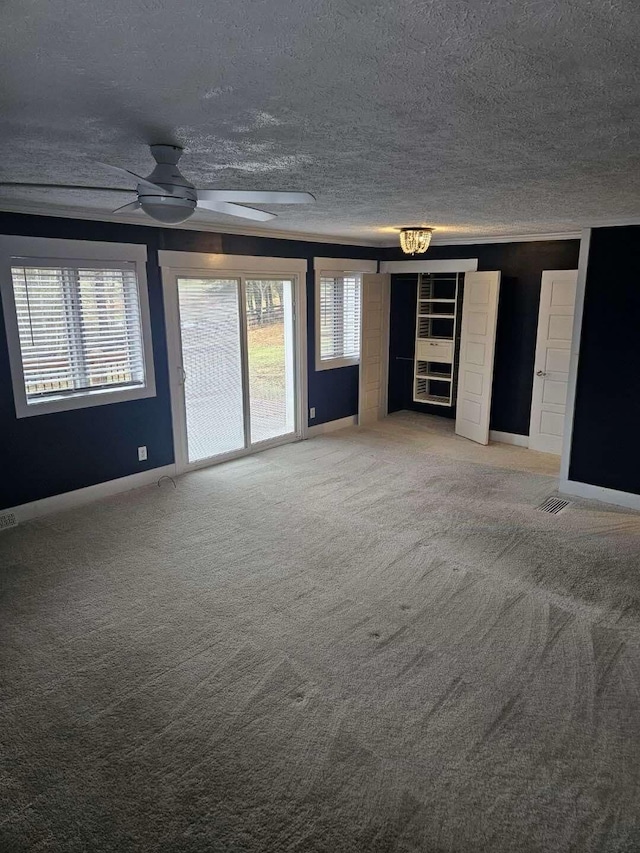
(540, 373)
(182, 375)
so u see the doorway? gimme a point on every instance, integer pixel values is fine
(236, 374)
(551, 366)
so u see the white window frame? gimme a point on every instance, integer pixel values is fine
(73, 253)
(448, 265)
(336, 268)
(173, 265)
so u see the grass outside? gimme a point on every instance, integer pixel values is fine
(266, 360)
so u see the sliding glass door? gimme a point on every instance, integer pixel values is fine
(211, 366)
(237, 375)
(269, 311)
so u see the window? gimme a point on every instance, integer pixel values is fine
(338, 326)
(339, 317)
(338, 283)
(78, 333)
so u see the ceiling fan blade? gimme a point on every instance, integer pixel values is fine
(255, 197)
(235, 210)
(133, 205)
(139, 178)
(65, 187)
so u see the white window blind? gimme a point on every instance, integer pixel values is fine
(339, 317)
(79, 329)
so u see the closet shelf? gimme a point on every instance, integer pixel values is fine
(437, 334)
(434, 399)
(438, 316)
(440, 377)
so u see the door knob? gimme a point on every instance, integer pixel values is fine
(540, 373)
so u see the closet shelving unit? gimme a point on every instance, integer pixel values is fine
(437, 334)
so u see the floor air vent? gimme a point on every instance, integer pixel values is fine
(553, 505)
(7, 519)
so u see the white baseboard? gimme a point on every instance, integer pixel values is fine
(509, 438)
(79, 497)
(332, 426)
(599, 493)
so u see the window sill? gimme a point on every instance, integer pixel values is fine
(334, 363)
(82, 401)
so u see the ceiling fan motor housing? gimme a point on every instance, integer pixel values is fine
(181, 197)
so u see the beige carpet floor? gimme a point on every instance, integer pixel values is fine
(369, 641)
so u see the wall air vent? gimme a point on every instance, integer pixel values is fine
(553, 505)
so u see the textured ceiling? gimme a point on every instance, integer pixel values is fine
(484, 117)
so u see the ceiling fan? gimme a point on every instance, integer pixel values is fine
(167, 196)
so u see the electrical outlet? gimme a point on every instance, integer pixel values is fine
(142, 454)
(312, 412)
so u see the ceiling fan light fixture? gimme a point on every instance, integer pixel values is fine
(416, 240)
(166, 209)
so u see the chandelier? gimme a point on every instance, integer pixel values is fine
(415, 241)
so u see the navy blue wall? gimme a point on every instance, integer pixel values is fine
(606, 425)
(50, 454)
(521, 265)
(55, 453)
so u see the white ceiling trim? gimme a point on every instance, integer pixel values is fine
(510, 238)
(528, 238)
(241, 230)
(189, 225)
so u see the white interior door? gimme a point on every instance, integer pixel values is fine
(477, 345)
(374, 347)
(553, 352)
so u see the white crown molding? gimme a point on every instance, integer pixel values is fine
(189, 225)
(511, 238)
(613, 223)
(278, 234)
(526, 238)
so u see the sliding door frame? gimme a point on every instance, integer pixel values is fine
(175, 265)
